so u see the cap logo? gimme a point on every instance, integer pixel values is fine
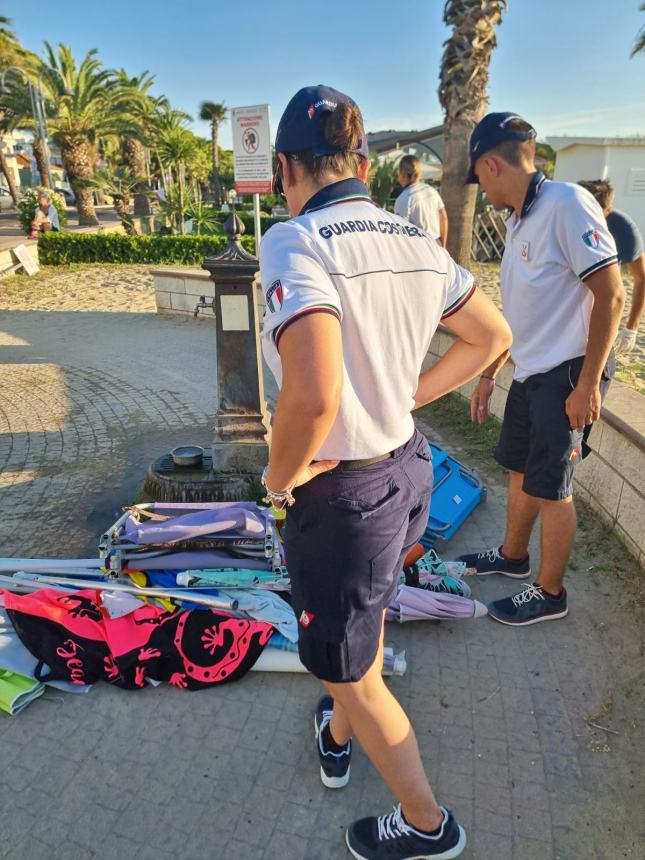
(311, 110)
(508, 119)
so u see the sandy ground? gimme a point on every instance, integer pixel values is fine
(113, 288)
(107, 288)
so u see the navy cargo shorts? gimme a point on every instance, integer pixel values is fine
(536, 438)
(346, 538)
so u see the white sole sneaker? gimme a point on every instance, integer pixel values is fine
(450, 854)
(331, 781)
(552, 617)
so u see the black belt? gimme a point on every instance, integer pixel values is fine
(361, 464)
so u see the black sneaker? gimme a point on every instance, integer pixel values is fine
(334, 767)
(390, 837)
(492, 561)
(528, 607)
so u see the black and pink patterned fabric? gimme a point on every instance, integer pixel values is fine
(73, 635)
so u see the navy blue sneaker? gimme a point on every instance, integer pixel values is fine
(390, 837)
(492, 561)
(334, 766)
(528, 607)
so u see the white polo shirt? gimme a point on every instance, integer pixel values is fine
(387, 282)
(421, 204)
(560, 240)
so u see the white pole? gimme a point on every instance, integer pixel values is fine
(256, 218)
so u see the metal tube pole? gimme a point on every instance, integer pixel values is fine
(42, 119)
(256, 219)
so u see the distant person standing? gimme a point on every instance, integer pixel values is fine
(631, 253)
(420, 203)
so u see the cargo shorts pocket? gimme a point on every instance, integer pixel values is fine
(364, 503)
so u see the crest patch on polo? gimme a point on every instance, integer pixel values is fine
(275, 297)
(591, 239)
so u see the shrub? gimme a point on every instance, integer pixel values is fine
(246, 218)
(29, 202)
(59, 249)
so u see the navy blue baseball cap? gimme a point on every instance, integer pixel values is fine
(492, 130)
(300, 128)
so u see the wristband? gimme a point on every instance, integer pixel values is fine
(492, 378)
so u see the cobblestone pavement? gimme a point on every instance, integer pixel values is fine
(504, 717)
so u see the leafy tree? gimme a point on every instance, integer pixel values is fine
(139, 104)
(86, 104)
(121, 185)
(382, 179)
(215, 113)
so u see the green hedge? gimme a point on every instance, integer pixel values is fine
(59, 249)
(246, 218)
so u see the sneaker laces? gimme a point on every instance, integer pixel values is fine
(490, 554)
(392, 825)
(531, 592)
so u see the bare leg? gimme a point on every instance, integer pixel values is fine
(385, 733)
(521, 514)
(558, 532)
(340, 726)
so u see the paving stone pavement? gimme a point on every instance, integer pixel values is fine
(86, 402)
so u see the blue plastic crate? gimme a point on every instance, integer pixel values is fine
(456, 493)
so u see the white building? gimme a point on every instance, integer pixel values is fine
(619, 159)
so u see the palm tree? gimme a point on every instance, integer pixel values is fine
(463, 95)
(86, 105)
(120, 185)
(161, 121)
(215, 113)
(141, 108)
(11, 51)
(175, 147)
(639, 45)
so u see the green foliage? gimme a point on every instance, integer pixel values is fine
(59, 249)
(382, 179)
(29, 203)
(246, 218)
(204, 217)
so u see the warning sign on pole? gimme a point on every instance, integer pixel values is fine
(252, 149)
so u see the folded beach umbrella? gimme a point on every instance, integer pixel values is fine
(416, 604)
(233, 521)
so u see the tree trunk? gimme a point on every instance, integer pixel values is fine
(78, 159)
(180, 181)
(8, 175)
(460, 199)
(135, 157)
(216, 183)
(41, 162)
(122, 209)
(463, 93)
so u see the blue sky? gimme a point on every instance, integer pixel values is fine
(563, 64)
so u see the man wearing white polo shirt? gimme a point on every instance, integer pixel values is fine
(562, 297)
